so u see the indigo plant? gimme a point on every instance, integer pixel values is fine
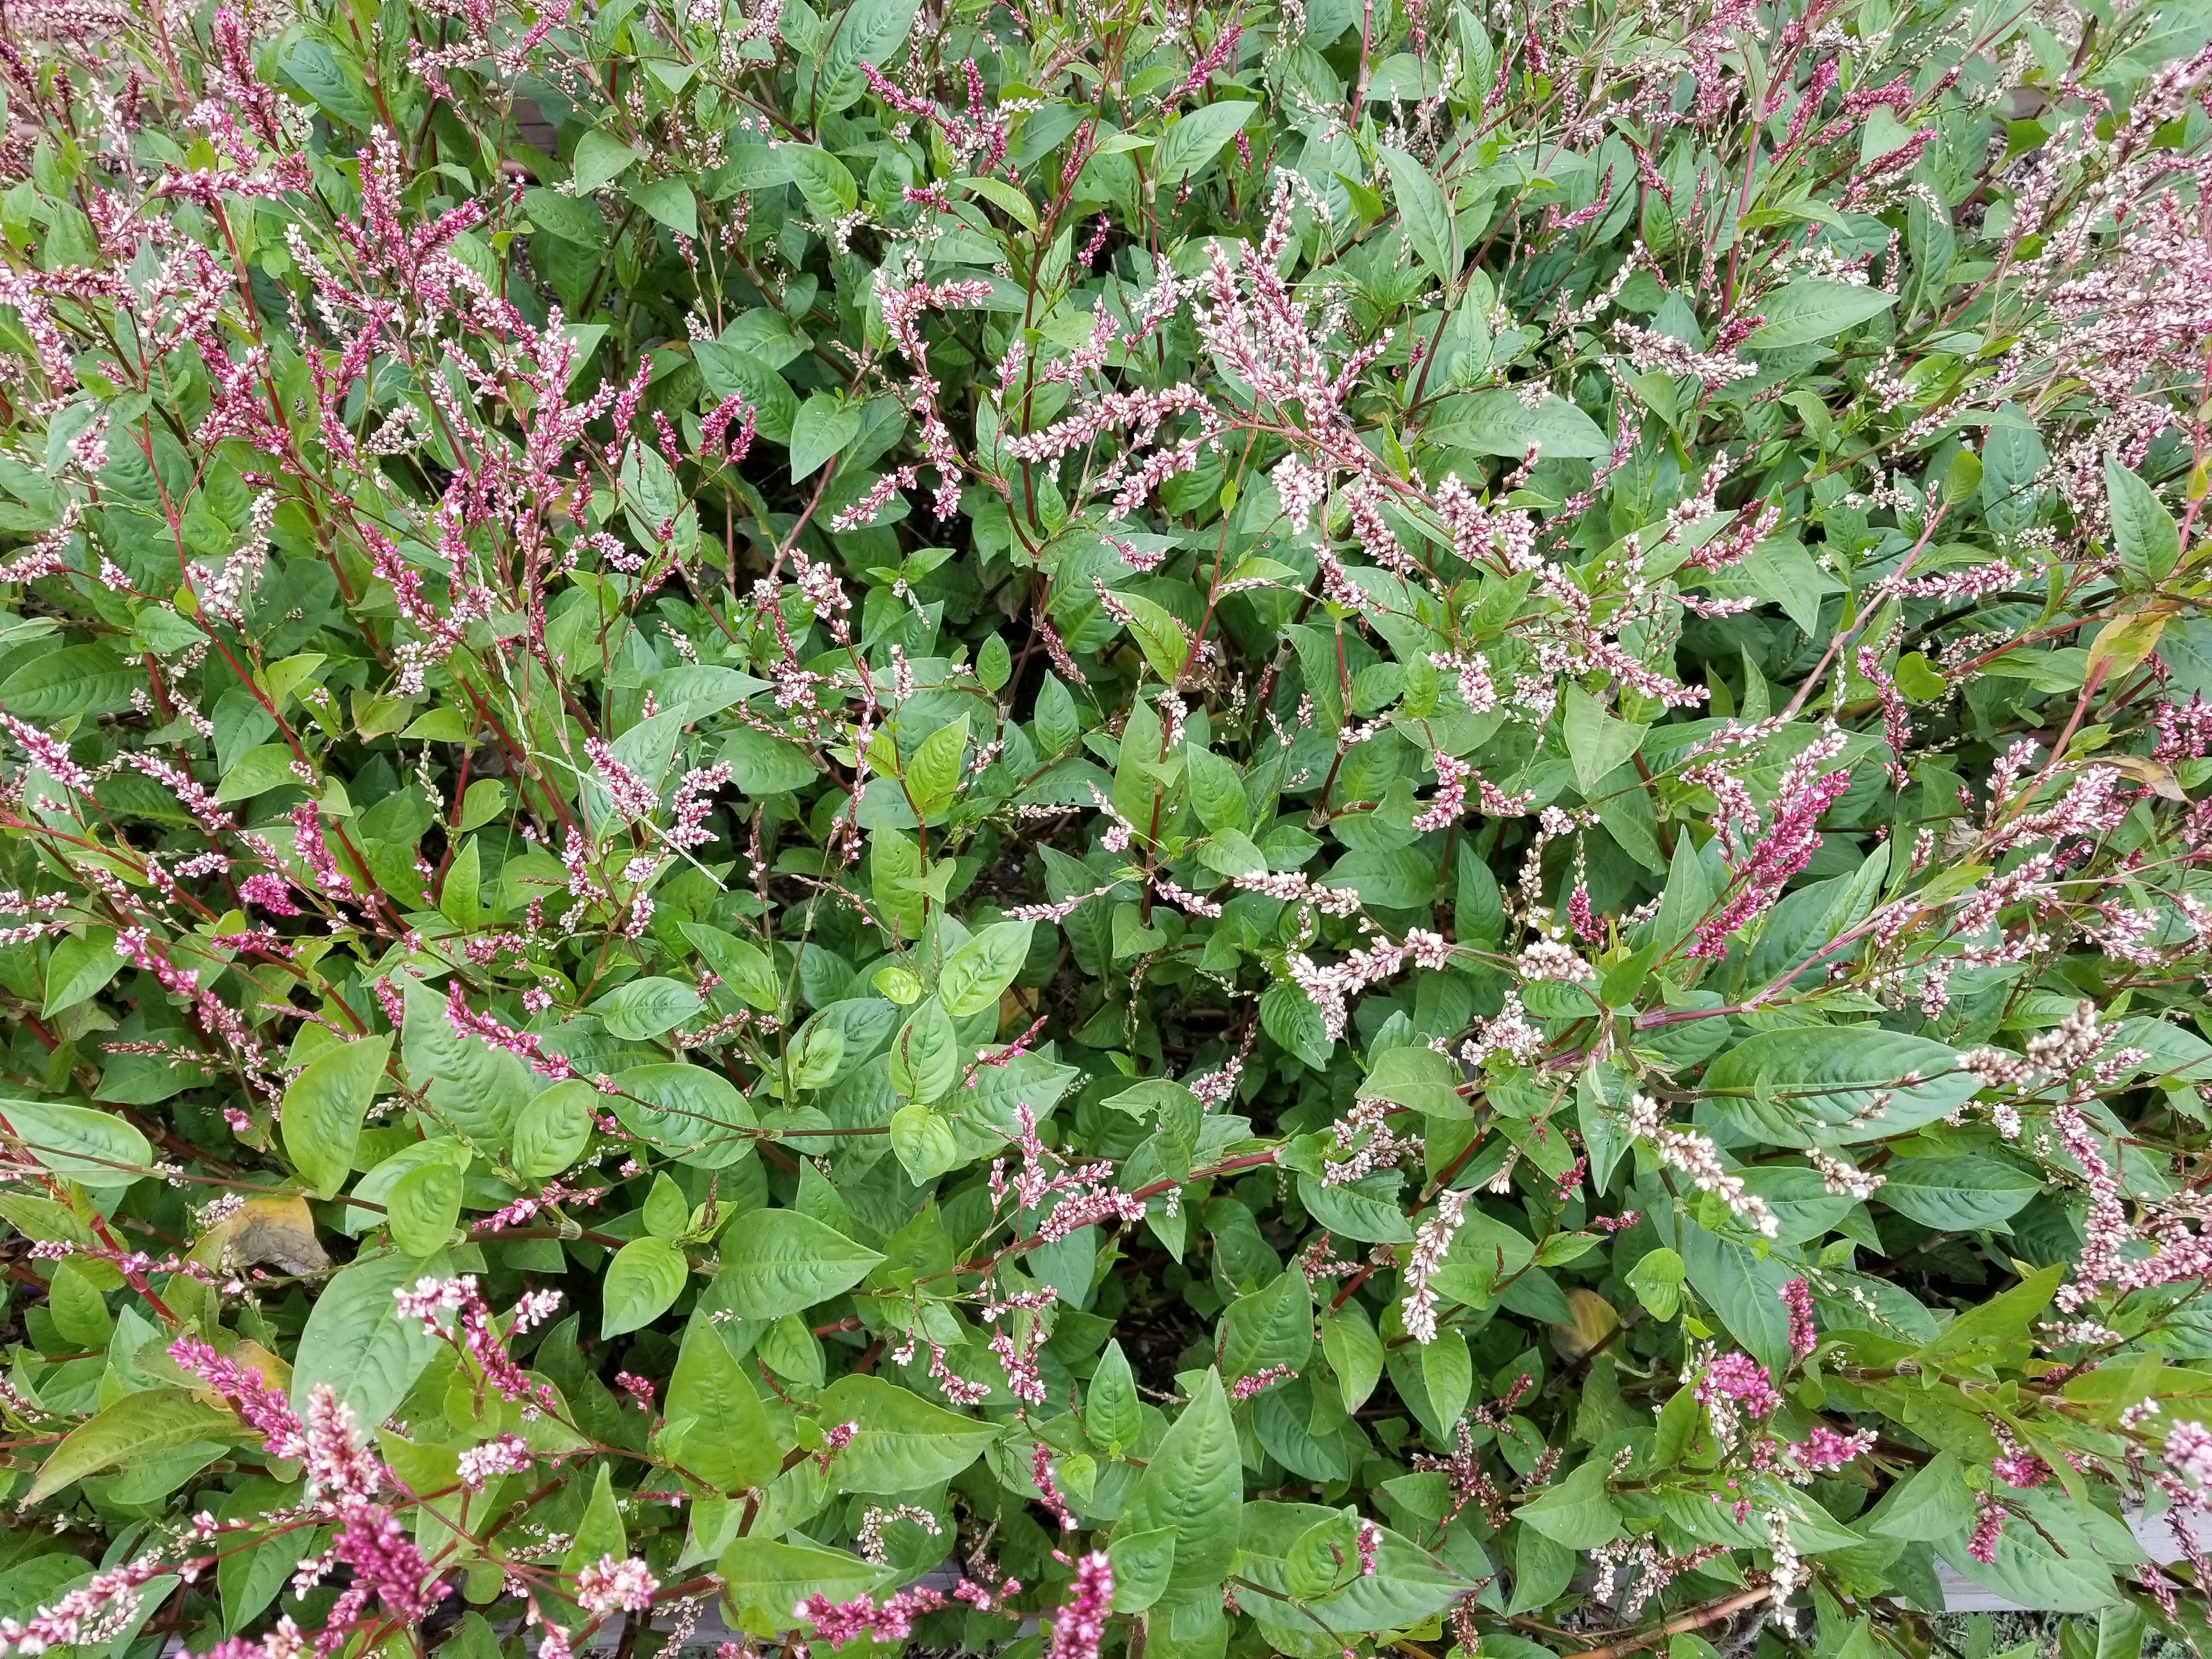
(1315, 827)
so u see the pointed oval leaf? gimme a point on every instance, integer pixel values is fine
(324, 1109)
(903, 1443)
(97, 1148)
(780, 1261)
(976, 975)
(643, 1281)
(1194, 1485)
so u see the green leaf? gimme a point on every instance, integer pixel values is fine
(1193, 1484)
(1962, 478)
(1742, 1286)
(894, 862)
(819, 1056)
(553, 1129)
(1434, 1379)
(1597, 743)
(1232, 853)
(976, 975)
(1288, 1015)
(376, 1187)
(669, 201)
(925, 1059)
(729, 371)
(1325, 1557)
(924, 1143)
(1605, 1135)
(458, 895)
(1954, 1194)
(600, 158)
(869, 32)
(80, 968)
(312, 66)
(1427, 213)
(439, 725)
(994, 664)
(1483, 1251)
(80, 1313)
(1216, 790)
(136, 1427)
(780, 1261)
(2013, 459)
(903, 1442)
(1932, 1505)
(1446, 1375)
(1818, 1084)
(1011, 199)
(741, 965)
(357, 1342)
(486, 800)
(1541, 1569)
(824, 181)
(84, 680)
(1479, 907)
(1143, 1562)
(822, 427)
(85, 1145)
(1687, 896)
(570, 219)
(1578, 1511)
(600, 1533)
(1680, 1420)
(1656, 1278)
(1918, 679)
(933, 776)
(764, 765)
(1559, 1250)
(1811, 309)
(1058, 725)
(1270, 1328)
(764, 1580)
(751, 167)
(2002, 1321)
(1496, 422)
(1190, 145)
(479, 1087)
(324, 1108)
(2144, 531)
(717, 1429)
(422, 1206)
(249, 1579)
(2057, 1556)
(643, 1281)
(258, 771)
(699, 688)
(644, 1008)
(1408, 1586)
(1160, 635)
(1354, 1352)
(1782, 571)
(2120, 1631)
(696, 1116)
(1417, 1077)
(1356, 1212)
(1397, 878)
(666, 1212)
(1111, 1413)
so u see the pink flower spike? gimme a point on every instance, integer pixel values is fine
(1797, 1298)
(1080, 1624)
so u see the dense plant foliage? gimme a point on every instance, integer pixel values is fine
(1147, 829)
